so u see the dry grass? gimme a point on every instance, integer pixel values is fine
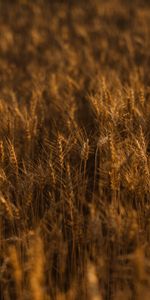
(74, 150)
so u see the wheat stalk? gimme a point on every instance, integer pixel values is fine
(36, 263)
(17, 271)
(1, 152)
(13, 158)
(7, 207)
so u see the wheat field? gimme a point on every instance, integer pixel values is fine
(74, 150)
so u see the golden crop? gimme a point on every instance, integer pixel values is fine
(74, 150)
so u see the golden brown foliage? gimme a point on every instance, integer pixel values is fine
(74, 150)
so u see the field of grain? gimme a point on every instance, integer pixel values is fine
(74, 150)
